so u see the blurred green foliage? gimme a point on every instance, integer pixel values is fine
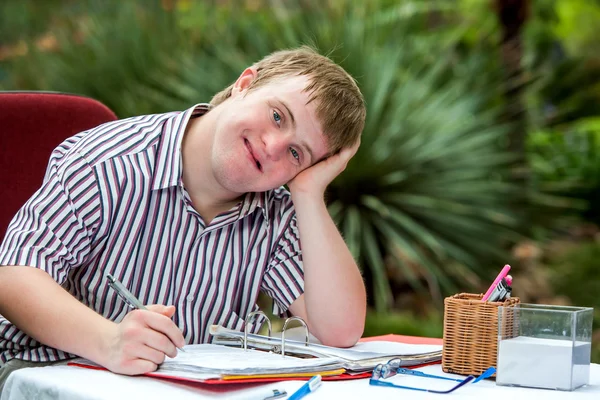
(565, 163)
(563, 108)
(575, 273)
(24, 20)
(404, 324)
(577, 20)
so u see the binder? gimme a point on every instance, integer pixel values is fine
(241, 357)
(195, 379)
(360, 358)
(210, 361)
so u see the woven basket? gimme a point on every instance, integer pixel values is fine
(471, 333)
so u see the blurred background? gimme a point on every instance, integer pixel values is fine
(482, 139)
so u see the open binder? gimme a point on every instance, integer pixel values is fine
(241, 357)
(362, 357)
(206, 362)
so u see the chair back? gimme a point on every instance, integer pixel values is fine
(32, 124)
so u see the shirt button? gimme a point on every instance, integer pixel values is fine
(190, 298)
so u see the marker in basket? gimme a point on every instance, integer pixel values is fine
(502, 290)
(509, 280)
(499, 278)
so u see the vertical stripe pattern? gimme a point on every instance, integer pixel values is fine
(112, 201)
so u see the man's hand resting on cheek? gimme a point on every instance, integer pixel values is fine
(334, 300)
(314, 180)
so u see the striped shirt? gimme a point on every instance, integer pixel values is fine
(113, 201)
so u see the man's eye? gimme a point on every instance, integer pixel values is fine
(295, 154)
(276, 117)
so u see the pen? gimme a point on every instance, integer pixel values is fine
(501, 275)
(258, 394)
(310, 386)
(509, 289)
(275, 394)
(127, 296)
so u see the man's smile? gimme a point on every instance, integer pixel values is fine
(252, 154)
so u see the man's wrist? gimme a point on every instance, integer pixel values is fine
(302, 198)
(102, 348)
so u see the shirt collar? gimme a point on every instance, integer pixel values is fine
(253, 200)
(169, 163)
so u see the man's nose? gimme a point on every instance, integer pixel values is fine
(276, 145)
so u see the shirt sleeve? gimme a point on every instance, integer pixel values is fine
(284, 278)
(54, 230)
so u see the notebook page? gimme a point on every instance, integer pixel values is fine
(209, 358)
(370, 350)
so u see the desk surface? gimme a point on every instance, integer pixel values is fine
(73, 383)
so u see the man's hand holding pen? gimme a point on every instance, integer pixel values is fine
(143, 338)
(140, 342)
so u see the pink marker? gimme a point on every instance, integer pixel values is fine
(508, 280)
(501, 275)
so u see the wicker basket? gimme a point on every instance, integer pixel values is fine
(471, 333)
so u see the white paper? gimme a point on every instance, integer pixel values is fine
(368, 350)
(391, 348)
(210, 358)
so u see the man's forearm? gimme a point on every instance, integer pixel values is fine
(335, 297)
(37, 305)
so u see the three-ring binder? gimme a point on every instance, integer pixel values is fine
(246, 323)
(253, 314)
(352, 359)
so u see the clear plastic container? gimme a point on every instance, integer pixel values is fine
(544, 346)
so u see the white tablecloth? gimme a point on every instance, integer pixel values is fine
(73, 383)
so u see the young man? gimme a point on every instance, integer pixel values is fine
(186, 209)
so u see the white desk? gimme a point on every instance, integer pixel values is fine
(73, 383)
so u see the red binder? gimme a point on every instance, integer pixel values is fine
(341, 377)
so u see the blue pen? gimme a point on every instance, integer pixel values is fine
(310, 386)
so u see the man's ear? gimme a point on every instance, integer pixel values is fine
(243, 82)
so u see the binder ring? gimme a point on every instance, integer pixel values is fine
(285, 327)
(247, 322)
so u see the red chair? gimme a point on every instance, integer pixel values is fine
(32, 124)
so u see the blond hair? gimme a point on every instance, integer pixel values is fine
(340, 104)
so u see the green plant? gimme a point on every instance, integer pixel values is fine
(566, 167)
(575, 274)
(562, 112)
(27, 19)
(404, 324)
(125, 54)
(428, 186)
